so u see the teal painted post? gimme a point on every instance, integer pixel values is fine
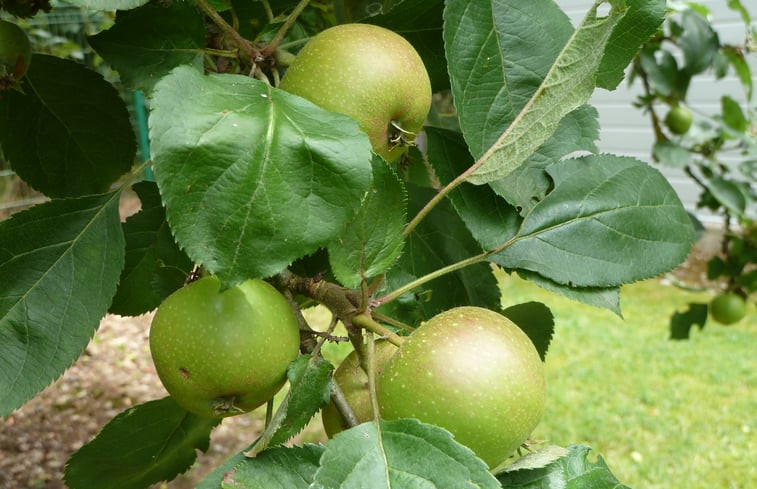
(144, 139)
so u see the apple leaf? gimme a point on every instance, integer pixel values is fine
(528, 184)
(439, 240)
(155, 266)
(276, 468)
(144, 444)
(402, 453)
(610, 220)
(143, 45)
(69, 133)
(309, 390)
(606, 298)
(252, 177)
(699, 42)
(373, 238)
(681, 323)
(536, 320)
(640, 22)
(538, 459)
(728, 194)
(501, 57)
(489, 218)
(572, 471)
(60, 263)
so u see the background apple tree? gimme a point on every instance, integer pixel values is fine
(511, 179)
(717, 151)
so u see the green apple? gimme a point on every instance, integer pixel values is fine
(472, 372)
(15, 54)
(728, 308)
(221, 353)
(353, 381)
(370, 74)
(678, 120)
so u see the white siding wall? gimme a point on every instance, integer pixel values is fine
(626, 131)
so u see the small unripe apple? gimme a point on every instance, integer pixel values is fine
(353, 381)
(472, 372)
(15, 54)
(370, 74)
(221, 353)
(728, 308)
(678, 120)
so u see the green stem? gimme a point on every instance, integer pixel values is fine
(390, 320)
(434, 275)
(367, 323)
(292, 44)
(223, 53)
(443, 271)
(271, 46)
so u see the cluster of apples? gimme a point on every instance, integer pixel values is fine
(469, 370)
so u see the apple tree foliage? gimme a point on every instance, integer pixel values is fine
(253, 182)
(718, 152)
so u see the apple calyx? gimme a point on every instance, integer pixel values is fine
(399, 137)
(225, 406)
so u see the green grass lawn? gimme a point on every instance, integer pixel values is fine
(664, 414)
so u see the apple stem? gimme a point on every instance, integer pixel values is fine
(366, 322)
(390, 320)
(271, 46)
(341, 405)
(268, 413)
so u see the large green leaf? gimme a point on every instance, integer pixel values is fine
(402, 454)
(145, 444)
(610, 220)
(69, 133)
(277, 468)
(573, 471)
(147, 42)
(155, 266)
(373, 239)
(252, 177)
(59, 262)
(604, 297)
(441, 239)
